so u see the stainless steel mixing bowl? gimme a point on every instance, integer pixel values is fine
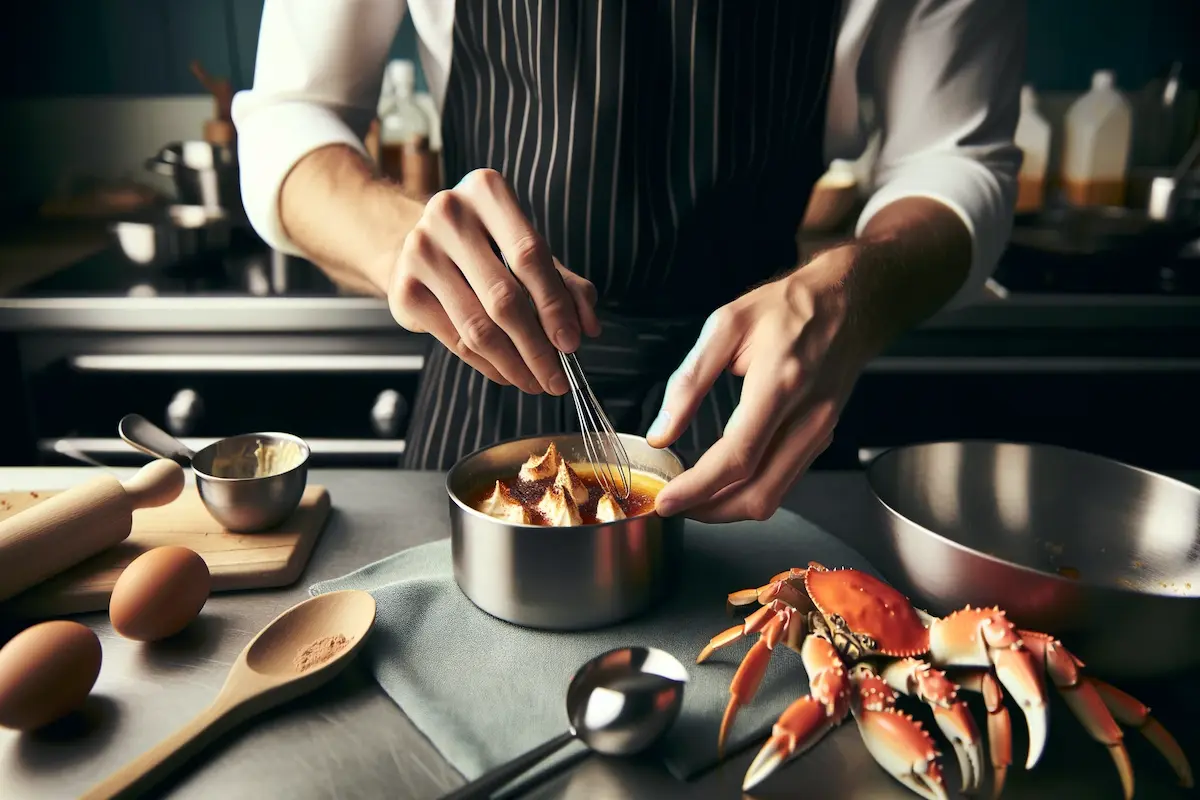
(1102, 554)
(575, 578)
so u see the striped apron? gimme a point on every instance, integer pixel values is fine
(666, 150)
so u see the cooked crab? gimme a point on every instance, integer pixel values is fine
(862, 642)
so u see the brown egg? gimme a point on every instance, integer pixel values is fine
(159, 594)
(46, 672)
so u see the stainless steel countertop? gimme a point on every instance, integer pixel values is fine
(350, 741)
(360, 314)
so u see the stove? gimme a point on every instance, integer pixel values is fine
(1104, 251)
(246, 267)
(347, 392)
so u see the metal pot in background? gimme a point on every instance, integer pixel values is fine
(173, 236)
(204, 174)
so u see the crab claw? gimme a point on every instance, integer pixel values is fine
(799, 727)
(1085, 703)
(809, 718)
(983, 637)
(906, 750)
(918, 679)
(1098, 706)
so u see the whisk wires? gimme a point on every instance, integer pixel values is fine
(605, 452)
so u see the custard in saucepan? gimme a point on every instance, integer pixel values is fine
(550, 491)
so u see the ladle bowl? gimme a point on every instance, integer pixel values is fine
(619, 704)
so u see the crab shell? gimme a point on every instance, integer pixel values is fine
(869, 606)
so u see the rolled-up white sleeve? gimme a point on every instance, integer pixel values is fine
(946, 78)
(317, 76)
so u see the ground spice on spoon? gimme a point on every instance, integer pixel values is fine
(320, 651)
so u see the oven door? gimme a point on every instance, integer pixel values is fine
(351, 402)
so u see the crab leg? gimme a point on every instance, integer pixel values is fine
(774, 622)
(1130, 711)
(1095, 704)
(807, 719)
(999, 725)
(754, 623)
(787, 586)
(918, 679)
(896, 741)
(983, 637)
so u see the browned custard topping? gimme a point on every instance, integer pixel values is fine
(551, 492)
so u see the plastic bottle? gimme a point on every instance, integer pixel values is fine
(1096, 143)
(402, 122)
(1033, 137)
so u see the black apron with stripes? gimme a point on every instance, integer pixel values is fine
(665, 149)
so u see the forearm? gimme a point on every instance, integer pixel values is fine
(348, 221)
(906, 264)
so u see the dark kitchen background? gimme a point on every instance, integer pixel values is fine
(113, 299)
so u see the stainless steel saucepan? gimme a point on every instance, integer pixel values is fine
(578, 578)
(1102, 554)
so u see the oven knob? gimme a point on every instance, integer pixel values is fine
(183, 412)
(389, 413)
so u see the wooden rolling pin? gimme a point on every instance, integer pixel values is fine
(75, 524)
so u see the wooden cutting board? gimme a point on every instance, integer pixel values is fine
(236, 560)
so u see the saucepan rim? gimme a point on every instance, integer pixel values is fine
(278, 435)
(873, 470)
(464, 460)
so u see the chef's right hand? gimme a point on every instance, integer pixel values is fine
(448, 282)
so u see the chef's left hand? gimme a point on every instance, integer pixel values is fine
(800, 348)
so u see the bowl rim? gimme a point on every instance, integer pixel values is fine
(872, 474)
(288, 437)
(463, 506)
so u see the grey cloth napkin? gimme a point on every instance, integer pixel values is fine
(484, 691)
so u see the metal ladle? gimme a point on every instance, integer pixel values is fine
(618, 704)
(240, 504)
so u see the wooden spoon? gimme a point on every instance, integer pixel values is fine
(267, 673)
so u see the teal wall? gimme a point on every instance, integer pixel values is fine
(142, 47)
(57, 48)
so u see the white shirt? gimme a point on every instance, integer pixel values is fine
(945, 76)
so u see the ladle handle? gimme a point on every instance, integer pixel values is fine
(149, 438)
(138, 776)
(501, 776)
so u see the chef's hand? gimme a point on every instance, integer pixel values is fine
(795, 342)
(448, 282)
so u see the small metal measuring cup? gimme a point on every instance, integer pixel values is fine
(241, 504)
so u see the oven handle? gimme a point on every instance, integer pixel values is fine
(101, 447)
(289, 362)
(235, 362)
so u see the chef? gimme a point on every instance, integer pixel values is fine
(643, 165)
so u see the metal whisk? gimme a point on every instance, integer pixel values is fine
(605, 451)
(604, 448)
